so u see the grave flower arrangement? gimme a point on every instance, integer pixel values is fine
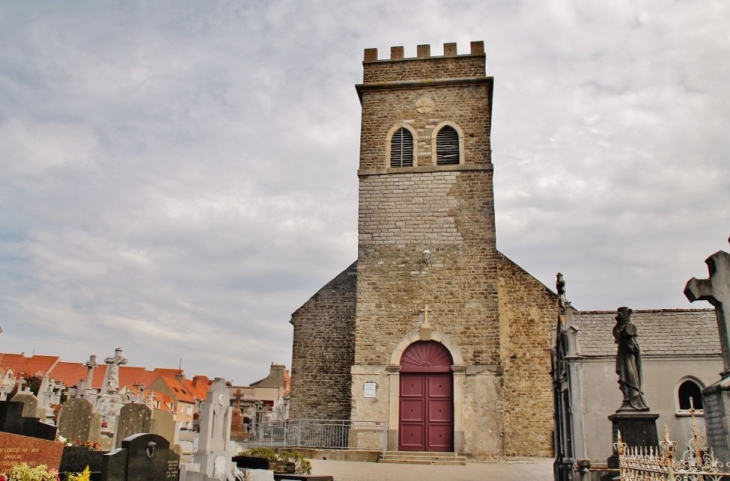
(23, 472)
(91, 445)
(85, 476)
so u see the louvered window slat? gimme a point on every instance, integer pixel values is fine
(447, 146)
(401, 148)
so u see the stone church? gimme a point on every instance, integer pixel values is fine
(432, 330)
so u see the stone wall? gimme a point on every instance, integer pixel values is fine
(400, 69)
(322, 353)
(528, 312)
(451, 215)
(466, 105)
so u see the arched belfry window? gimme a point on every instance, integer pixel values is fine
(401, 148)
(447, 146)
(689, 390)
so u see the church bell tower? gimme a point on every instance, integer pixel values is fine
(427, 333)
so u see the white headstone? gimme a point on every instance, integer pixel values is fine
(215, 432)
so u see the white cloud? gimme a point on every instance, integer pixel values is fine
(177, 178)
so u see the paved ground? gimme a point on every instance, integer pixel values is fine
(522, 469)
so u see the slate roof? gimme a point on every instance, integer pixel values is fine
(660, 332)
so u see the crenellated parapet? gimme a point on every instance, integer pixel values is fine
(424, 52)
(424, 67)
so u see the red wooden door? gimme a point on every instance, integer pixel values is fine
(426, 399)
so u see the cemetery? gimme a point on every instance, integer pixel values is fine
(145, 446)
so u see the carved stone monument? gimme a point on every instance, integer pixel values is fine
(628, 362)
(215, 432)
(237, 429)
(716, 397)
(633, 419)
(87, 391)
(110, 402)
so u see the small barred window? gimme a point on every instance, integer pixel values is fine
(447, 146)
(401, 148)
(689, 390)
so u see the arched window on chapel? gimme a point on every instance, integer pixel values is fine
(689, 389)
(401, 148)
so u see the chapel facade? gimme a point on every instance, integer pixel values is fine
(432, 330)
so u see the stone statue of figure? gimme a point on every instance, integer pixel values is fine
(628, 362)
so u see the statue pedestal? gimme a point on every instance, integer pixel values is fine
(716, 403)
(638, 428)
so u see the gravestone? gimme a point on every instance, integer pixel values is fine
(133, 419)
(164, 424)
(17, 449)
(716, 397)
(215, 432)
(45, 392)
(30, 404)
(76, 458)
(12, 421)
(142, 457)
(77, 421)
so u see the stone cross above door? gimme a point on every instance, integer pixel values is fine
(425, 326)
(716, 290)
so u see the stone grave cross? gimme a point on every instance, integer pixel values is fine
(716, 290)
(91, 367)
(111, 384)
(238, 395)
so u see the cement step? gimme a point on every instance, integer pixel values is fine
(417, 457)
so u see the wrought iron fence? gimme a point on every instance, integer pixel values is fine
(319, 434)
(664, 463)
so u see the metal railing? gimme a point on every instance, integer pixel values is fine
(664, 463)
(319, 434)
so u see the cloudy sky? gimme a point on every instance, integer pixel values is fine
(177, 177)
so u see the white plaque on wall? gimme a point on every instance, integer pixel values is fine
(369, 389)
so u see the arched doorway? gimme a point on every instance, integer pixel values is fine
(426, 398)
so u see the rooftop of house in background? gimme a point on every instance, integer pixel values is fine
(131, 378)
(35, 365)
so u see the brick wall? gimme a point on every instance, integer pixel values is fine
(528, 312)
(322, 353)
